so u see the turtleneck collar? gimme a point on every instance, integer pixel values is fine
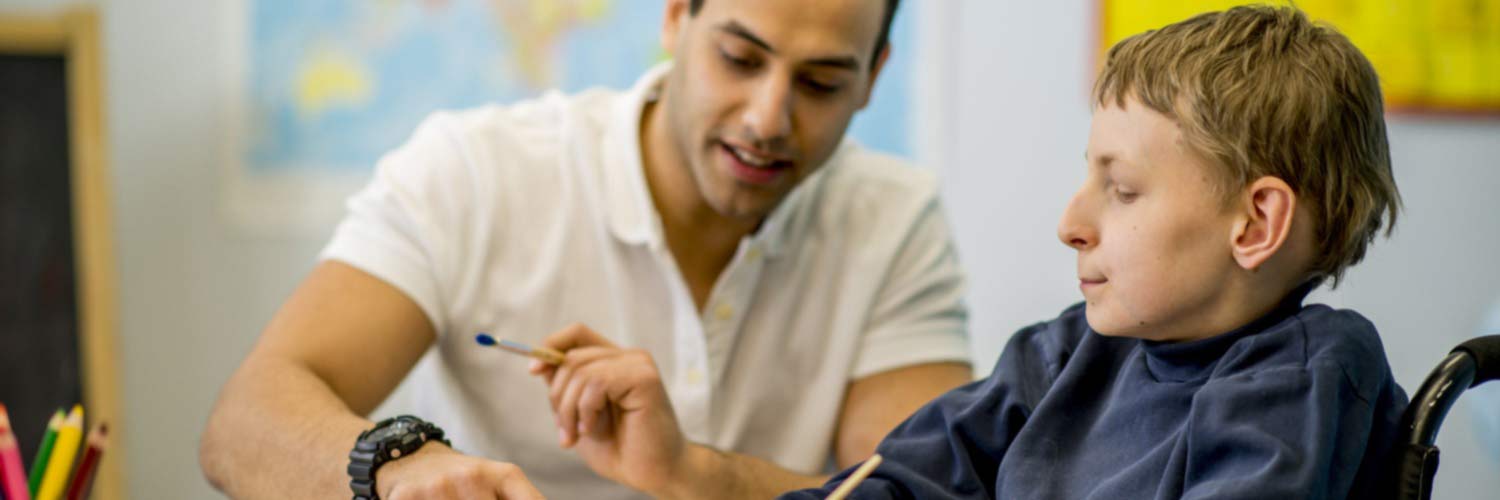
(1194, 360)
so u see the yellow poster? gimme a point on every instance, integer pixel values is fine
(1432, 55)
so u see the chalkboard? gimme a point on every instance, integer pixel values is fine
(57, 291)
(39, 368)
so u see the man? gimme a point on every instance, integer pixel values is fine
(783, 294)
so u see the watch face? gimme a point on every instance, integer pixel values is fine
(396, 428)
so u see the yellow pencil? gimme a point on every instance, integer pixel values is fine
(61, 462)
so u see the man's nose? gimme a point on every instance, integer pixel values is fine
(769, 113)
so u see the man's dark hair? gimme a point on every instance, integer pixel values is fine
(885, 26)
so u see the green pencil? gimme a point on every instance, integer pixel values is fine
(43, 452)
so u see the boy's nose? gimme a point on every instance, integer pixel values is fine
(1074, 229)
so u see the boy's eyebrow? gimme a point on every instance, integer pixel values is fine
(844, 61)
(1105, 160)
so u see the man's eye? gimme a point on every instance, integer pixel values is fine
(819, 87)
(738, 62)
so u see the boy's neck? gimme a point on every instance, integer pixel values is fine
(1243, 302)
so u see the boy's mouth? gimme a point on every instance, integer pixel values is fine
(1090, 283)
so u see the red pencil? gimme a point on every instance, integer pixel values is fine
(12, 473)
(83, 476)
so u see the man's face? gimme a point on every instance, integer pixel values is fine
(1153, 238)
(762, 91)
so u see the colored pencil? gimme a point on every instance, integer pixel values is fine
(78, 488)
(61, 461)
(12, 474)
(853, 480)
(44, 452)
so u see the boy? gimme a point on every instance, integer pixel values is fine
(1235, 161)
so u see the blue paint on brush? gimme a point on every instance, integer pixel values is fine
(485, 339)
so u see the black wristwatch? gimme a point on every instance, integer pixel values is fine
(389, 440)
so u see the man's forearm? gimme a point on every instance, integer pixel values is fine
(278, 431)
(710, 473)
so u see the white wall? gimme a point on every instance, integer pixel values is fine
(195, 289)
(1020, 77)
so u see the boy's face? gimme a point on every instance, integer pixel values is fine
(763, 90)
(1153, 238)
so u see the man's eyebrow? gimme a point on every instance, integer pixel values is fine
(840, 62)
(733, 27)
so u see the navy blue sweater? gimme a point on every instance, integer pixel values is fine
(1297, 404)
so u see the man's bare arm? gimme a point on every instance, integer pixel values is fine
(878, 403)
(287, 418)
(873, 407)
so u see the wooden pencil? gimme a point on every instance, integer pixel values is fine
(853, 480)
(12, 474)
(83, 476)
(44, 452)
(60, 464)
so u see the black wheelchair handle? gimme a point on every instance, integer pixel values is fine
(1438, 393)
(1471, 363)
(1486, 353)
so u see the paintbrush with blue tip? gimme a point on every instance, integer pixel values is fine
(546, 355)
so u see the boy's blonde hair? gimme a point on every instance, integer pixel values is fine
(1262, 91)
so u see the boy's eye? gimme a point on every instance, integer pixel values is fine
(1125, 196)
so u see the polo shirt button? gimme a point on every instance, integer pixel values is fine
(694, 376)
(754, 252)
(724, 312)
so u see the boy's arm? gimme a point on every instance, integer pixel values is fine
(1293, 433)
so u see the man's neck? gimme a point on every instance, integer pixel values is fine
(702, 241)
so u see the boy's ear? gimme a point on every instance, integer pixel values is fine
(1264, 222)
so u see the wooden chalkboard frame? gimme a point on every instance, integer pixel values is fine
(74, 35)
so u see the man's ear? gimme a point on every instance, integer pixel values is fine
(675, 20)
(878, 64)
(1264, 223)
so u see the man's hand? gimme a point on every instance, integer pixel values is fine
(437, 472)
(611, 407)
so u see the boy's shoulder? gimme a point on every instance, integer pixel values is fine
(1047, 346)
(1319, 341)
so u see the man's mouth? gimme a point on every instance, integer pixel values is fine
(754, 167)
(755, 158)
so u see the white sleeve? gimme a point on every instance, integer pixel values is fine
(919, 315)
(405, 226)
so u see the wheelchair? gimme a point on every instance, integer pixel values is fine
(1471, 363)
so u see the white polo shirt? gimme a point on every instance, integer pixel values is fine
(519, 220)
